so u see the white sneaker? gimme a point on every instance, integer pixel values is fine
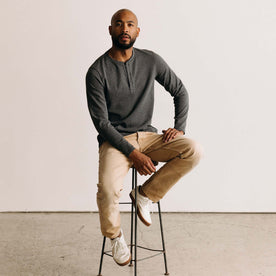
(120, 251)
(143, 206)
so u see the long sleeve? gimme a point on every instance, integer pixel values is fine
(166, 77)
(98, 111)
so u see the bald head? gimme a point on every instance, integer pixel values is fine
(123, 11)
(124, 29)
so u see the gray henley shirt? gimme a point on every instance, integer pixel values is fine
(120, 96)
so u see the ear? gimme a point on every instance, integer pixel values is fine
(138, 31)
(110, 29)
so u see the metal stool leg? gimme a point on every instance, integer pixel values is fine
(101, 262)
(163, 241)
(131, 225)
(135, 228)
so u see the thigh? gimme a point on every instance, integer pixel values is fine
(113, 167)
(165, 151)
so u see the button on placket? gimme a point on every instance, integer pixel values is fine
(129, 77)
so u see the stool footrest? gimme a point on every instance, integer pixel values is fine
(146, 258)
(150, 249)
(105, 253)
(138, 246)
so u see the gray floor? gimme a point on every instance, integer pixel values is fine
(197, 245)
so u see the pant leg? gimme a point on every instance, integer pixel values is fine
(113, 167)
(181, 156)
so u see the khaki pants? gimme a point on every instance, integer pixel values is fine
(180, 154)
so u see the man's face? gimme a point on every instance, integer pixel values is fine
(124, 30)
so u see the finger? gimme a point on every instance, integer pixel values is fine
(146, 169)
(168, 137)
(140, 172)
(166, 133)
(178, 133)
(143, 172)
(148, 172)
(152, 167)
(169, 134)
(175, 134)
(139, 169)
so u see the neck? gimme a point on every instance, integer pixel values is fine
(120, 54)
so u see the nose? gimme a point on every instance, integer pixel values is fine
(125, 28)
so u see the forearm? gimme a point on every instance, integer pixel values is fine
(110, 134)
(181, 105)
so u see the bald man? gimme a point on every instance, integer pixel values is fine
(120, 95)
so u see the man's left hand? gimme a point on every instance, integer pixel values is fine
(171, 133)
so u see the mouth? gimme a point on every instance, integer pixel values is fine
(124, 37)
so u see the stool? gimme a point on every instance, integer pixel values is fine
(134, 232)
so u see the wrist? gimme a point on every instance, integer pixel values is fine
(133, 154)
(180, 131)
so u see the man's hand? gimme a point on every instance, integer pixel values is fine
(171, 133)
(142, 163)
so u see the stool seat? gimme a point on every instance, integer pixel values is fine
(134, 232)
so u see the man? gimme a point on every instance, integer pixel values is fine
(120, 94)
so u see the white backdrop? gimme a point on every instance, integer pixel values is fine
(224, 52)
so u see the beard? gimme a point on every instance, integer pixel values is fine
(120, 45)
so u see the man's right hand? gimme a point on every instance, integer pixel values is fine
(142, 163)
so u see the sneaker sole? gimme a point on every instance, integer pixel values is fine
(138, 212)
(125, 263)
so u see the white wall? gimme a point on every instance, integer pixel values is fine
(224, 52)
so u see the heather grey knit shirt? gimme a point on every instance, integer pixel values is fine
(120, 96)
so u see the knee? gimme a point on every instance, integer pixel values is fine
(108, 193)
(193, 151)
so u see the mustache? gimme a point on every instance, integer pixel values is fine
(124, 34)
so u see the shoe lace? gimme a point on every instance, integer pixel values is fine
(148, 204)
(145, 200)
(119, 246)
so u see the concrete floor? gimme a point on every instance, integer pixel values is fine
(53, 244)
